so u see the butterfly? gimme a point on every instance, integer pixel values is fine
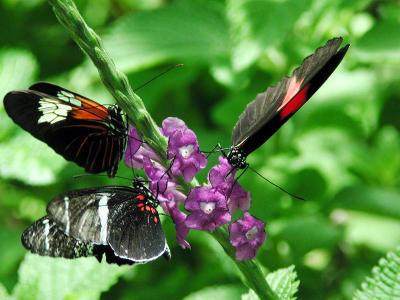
(271, 109)
(79, 129)
(118, 221)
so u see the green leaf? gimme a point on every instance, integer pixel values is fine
(375, 46)
(251, 295)
(3, 292)
(17, 71)
(141, 39)
(284, 283)
(385, 280)
(254, 26)
(332, 160)
(305, 233)
(11, 254)
(232, 292)
(383, 158)
(364, 229)
(51, 278)
(27, 159)
(369, 199)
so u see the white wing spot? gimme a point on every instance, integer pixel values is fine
(52, 111)
(66, 214)
(46, 233)
(68, 97)
(103, 215)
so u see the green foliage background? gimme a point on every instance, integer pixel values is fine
(341, 152)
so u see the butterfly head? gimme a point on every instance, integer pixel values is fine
(139, 183)
(237, 158)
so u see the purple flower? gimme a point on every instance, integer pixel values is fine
(239, 198)
(171, 194)
(247, 235)
(227, 185)
(136, 150)
(156, 174)
(179, 218)
(170, 125)
(183, 148)
(160, 184)
(134, 143)
(208, 207)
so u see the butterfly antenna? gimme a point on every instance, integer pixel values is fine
(274, 184)
(159, 75)
(217, 148)
(99, 175)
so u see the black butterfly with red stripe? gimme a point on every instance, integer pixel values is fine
(79, 129)
(271, 109)
(120, 222)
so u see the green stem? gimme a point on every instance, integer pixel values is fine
(115, 81)
(253, 276)
(118, 85)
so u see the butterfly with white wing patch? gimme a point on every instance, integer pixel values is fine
(121, 222)
(79, 129)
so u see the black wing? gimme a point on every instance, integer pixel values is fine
(79, 129)
(116, 216)
(44, 238)
(271, 109)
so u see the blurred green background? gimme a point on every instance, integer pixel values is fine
(341, 151)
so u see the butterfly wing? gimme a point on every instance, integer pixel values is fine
(271, 109)
(45, 238)
(116, 216)
(135, 231)
(79, 129)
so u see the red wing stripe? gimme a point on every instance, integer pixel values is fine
(82, 144)
(106, 148)
(87, 103)
(292, 90)
(69, 145)
(295, 104)
(94, 160)
(88, 114)
(90, 110)
(111, 152)
(86, 126)
(89, 155)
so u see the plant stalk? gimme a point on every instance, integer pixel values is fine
(253, 276)
(115, 81)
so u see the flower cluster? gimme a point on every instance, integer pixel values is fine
(210, 205)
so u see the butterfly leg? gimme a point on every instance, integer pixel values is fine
(162, 176)
(236, 179)
(212, 150)
(217, 148)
